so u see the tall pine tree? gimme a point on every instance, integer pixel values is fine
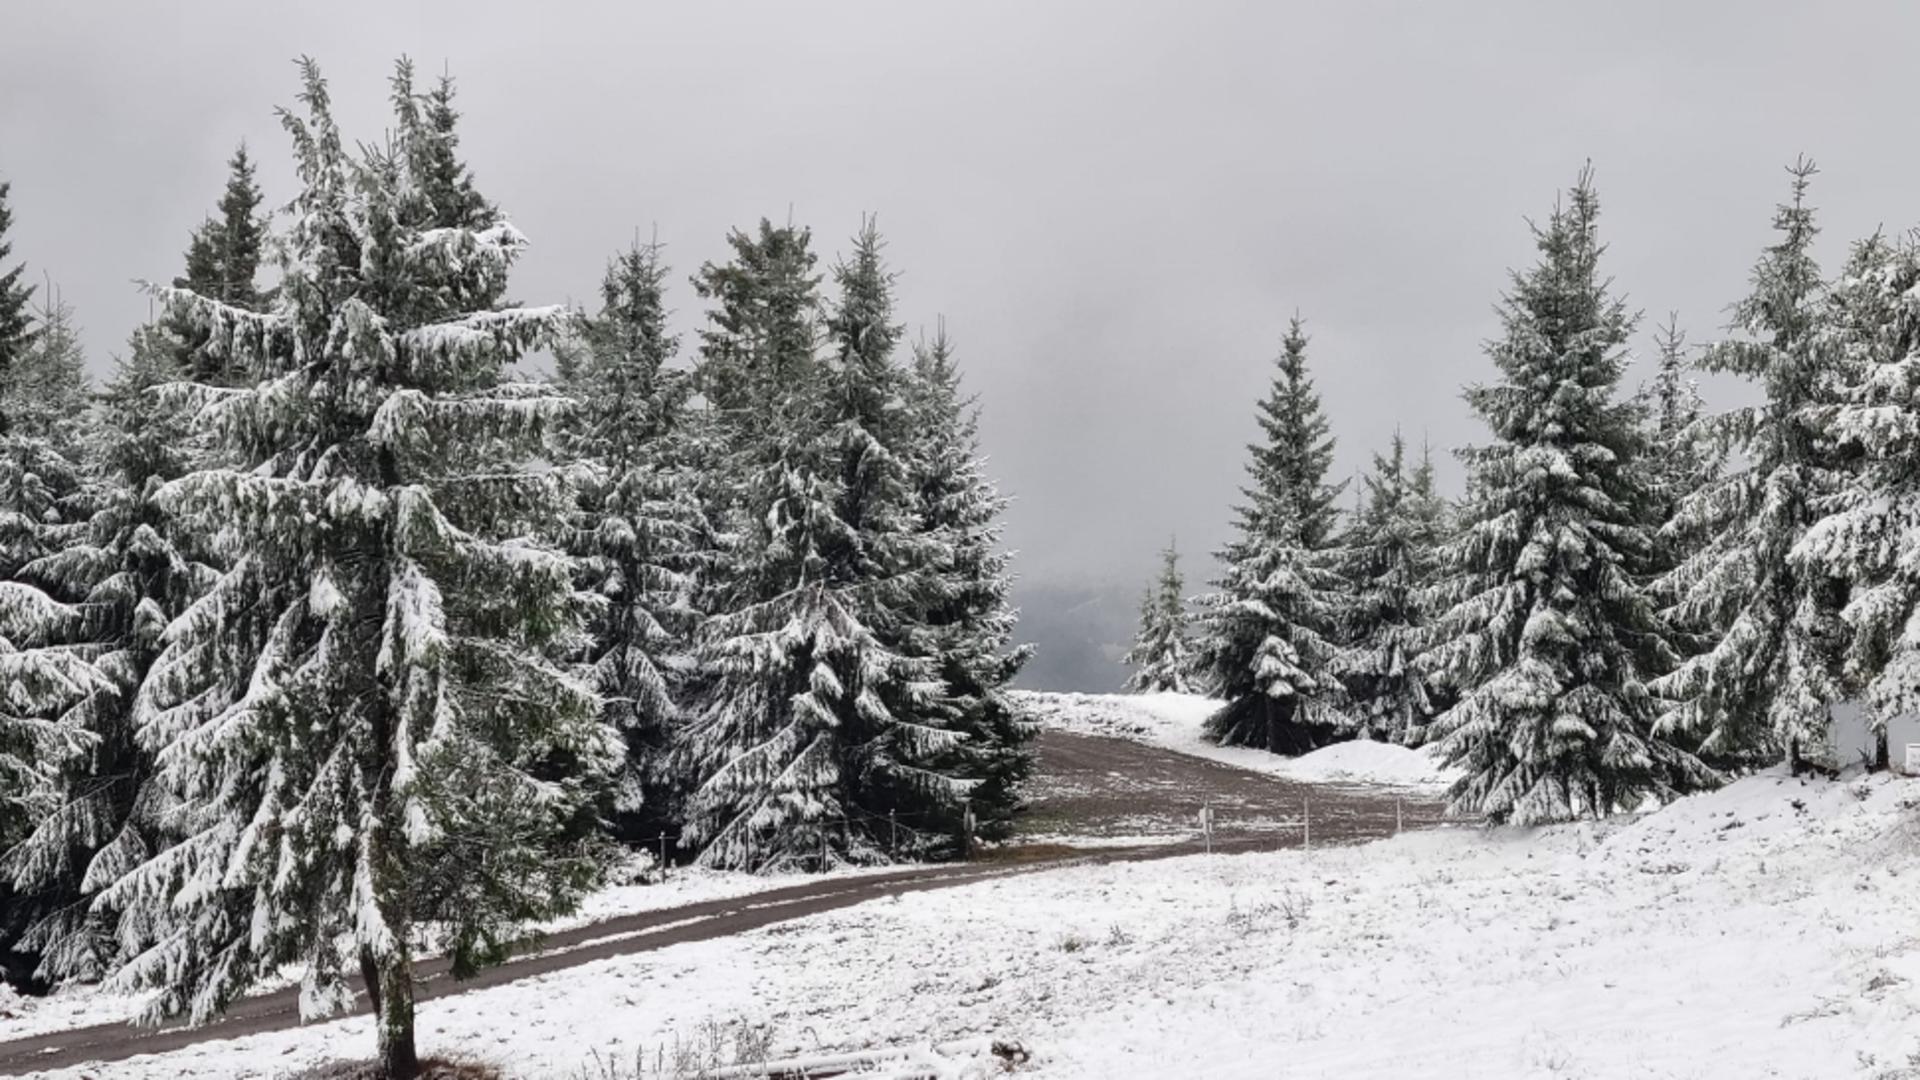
(823, 715)
(45, 391)
(47, 674)
(131, 571)
(1865, 534)
(1389, 563)
(363, 727)
(16, 296)
(1765, 685)
(1159, 656)
(1549, 640)
(639, 530)
(965, 623)
(223, 262)
(1266, 641)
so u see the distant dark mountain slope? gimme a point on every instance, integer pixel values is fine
(1080, 632)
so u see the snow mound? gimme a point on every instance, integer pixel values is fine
(1371, 762)
(1176, 722)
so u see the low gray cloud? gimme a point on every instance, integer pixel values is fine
(1116, 206)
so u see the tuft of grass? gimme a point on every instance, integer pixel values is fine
(712, 1046)
(1071, 943)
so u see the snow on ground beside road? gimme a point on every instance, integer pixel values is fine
(80, 1005)
(1769, 929)
(689, 885)
(1173, 722)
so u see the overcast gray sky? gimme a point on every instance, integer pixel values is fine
(1116, 205)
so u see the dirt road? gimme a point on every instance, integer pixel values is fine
(1090, 786)
(1087, 786)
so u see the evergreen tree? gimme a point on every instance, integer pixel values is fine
(1159, 654)
(759, 754)
(131, 572)
(1772, 672)
(45, 391)
(965, 623)
(1864, 535)
(16, 315)
(1677, 461)
(223, 261)
(1266, 635)
(820, 721)
(640, 533)
(1389, 555)
(361, 727)
(1549, 640)
(445, 180)
(47, 728)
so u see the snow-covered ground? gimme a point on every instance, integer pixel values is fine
(634, 893)
(1173, 721)
(1771, 929)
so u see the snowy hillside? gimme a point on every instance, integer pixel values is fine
(1768, 929)
(1173, 721)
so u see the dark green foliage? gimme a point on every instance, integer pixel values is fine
(17, 332)
(131, 570)
(1765, 685)
(1159, 655)
(1389, 560)
(1266, 642)
(223, 260)
(1549, 640)
(640, 533)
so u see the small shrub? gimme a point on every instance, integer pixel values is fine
(714, 1045)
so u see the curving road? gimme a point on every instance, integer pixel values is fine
(1085, 786)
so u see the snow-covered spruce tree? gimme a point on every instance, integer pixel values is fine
(1765, 685)
(816, 723)
(445, 179)
(223, 260)
(131, 572)
(902, 753)
(1159, 655)
(1389, 561)
(639, 530)
(44, 502)
(1265, 641)
(1678, 461)
(45, 392)
(361, 728)
(17, 330)
(964, 625)
(1550, 639)
(1865, 534)
(47, 676)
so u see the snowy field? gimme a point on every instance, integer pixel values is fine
(75, 1005)
(1768, 930)
(1173, 721)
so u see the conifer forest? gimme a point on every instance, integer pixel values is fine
(365, 620)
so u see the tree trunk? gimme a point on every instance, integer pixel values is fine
(370, 978)
(1794, 765)
(1882, 759)
(398, 1059)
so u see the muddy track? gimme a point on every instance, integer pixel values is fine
(1088, 786)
